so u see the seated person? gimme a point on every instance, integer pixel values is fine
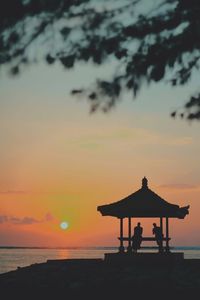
(137, 237)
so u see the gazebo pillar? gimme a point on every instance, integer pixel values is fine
(129, 235)
(167, 234)
(121, 247)
(161, 227)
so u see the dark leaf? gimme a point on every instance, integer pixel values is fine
(93, 96)
(14, 70)
(157, 72)
(173, 114)
(121, 53)
(74, 92)
(68, 61)
(50, 59)
(65, 31)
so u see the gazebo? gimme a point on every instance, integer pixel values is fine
(144, 203)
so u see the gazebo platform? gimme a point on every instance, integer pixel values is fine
(143, 258)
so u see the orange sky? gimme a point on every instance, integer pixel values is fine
(58, 163)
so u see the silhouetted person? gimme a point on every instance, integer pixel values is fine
(158, 235)
(137, 237)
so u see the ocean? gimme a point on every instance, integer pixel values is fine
(12, 258)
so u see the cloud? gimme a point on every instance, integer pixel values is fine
(24, 220)
(3, 219)
(179, 186)
(182, 141)
(13, 192)
(49, 217)
(138, 135)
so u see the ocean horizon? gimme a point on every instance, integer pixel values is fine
(93, 247)
(13, 257)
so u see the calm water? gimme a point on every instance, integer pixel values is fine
(10, 259)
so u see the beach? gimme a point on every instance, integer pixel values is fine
(13, 257)
(93, 277)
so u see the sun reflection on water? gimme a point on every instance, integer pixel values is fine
(63, 254)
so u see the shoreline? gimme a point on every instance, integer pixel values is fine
(87, 276)
(97, 247)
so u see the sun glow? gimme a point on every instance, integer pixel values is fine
(64, 225)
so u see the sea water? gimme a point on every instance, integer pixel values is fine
(12, 258)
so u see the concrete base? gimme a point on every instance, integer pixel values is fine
(143, 258)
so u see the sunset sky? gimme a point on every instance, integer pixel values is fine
(58, 162)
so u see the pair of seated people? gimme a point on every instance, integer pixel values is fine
(137, 236)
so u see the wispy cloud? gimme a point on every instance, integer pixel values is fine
(13, 192)
(3, 219)
(179, 186)
(49, 217)
(182, 141)
(25, 220)
(140, 136)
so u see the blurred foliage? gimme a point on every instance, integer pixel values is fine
(162, 43)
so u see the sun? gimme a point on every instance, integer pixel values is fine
(64, 225)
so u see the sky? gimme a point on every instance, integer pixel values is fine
(59, 162)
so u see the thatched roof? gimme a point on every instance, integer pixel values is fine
(143, 203)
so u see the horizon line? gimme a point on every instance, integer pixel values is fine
(85, 247)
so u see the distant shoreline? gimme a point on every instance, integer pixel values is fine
(95, 247)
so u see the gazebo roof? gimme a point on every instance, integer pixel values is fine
(143, 203)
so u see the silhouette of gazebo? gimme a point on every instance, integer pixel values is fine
(144, 203)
